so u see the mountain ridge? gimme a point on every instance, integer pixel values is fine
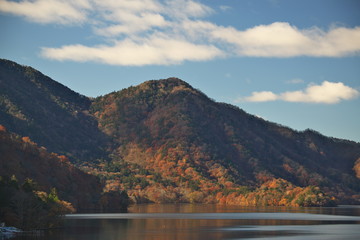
(165, 141)
(150, 120)
(34, 105)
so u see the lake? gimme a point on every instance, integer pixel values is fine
(210, 222)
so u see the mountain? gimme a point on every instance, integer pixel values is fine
(164, 141)
(52, 115)
(197, 145)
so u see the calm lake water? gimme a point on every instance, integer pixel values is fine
(208, 222)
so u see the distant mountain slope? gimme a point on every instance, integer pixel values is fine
(176, 131)
(51, 114)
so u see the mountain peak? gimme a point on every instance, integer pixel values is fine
(153, 91)
(168, 85)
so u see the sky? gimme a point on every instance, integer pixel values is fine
(296, 63)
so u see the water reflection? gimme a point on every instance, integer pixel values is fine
(238, 216)
(213, 222)
(291, 232)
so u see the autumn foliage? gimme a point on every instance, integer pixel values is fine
(24, 159)
(171, 143)
(163, 141)
(278, 192)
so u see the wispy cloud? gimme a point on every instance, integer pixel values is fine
(280, 39)
(153, 32)
(295, 81)
(152, 51)
(224, 8)
(264, 96)
(48, 11)
(326, 93)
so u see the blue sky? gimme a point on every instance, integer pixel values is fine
(293, 62)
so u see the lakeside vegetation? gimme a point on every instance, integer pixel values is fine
(37, 187)
(24, 206)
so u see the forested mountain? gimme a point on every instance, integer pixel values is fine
(164, 141)
(171, 129)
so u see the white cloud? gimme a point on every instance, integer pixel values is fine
(280, 39)
(263, 96)
(327, 92)
(154, 51)
(48, 11)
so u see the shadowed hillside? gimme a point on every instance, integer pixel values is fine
(52, 115)
(24, 159)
